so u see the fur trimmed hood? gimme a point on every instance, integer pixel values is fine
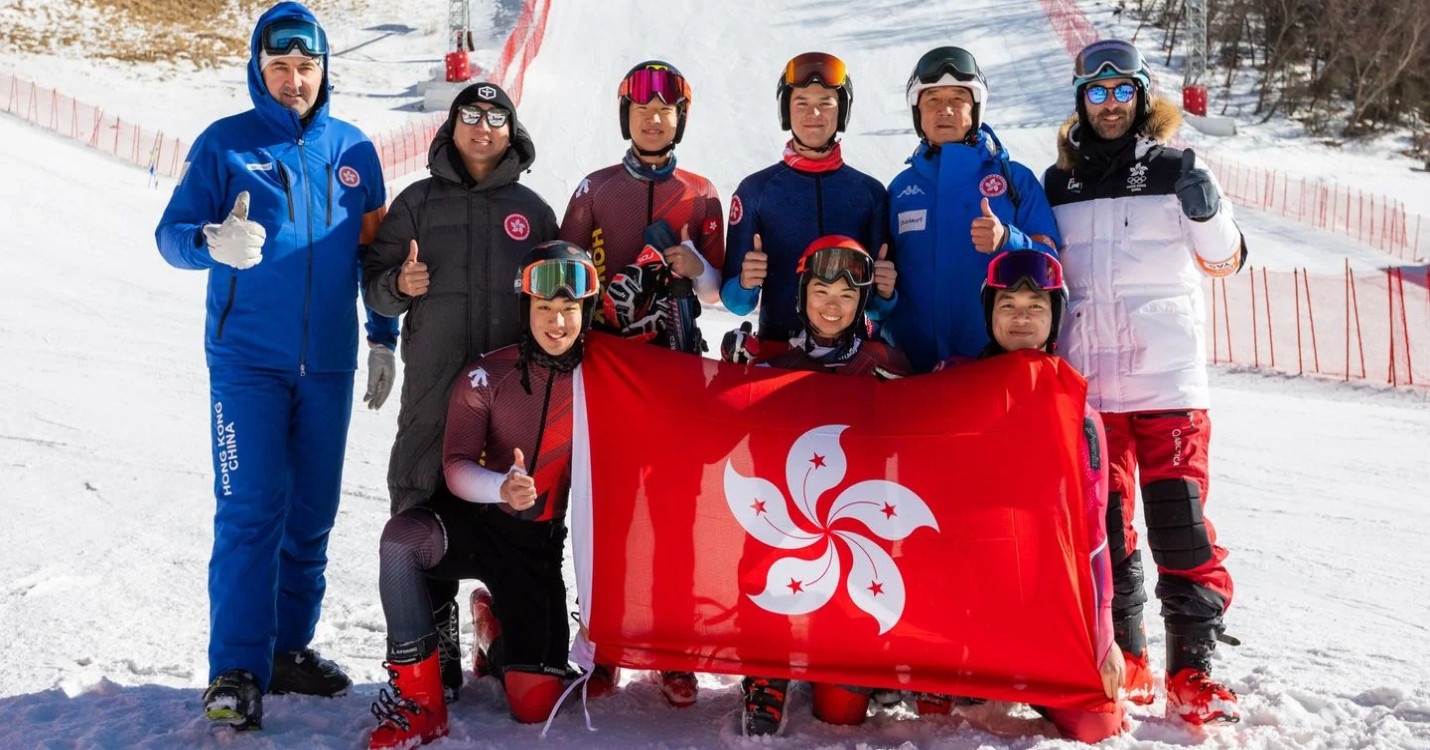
(1164, 118)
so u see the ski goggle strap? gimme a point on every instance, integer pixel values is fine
(955, 61)
(646, 84)
(283, 35)
(812, 67)
(1109, 54)
(548, 279)
(829, 264)
(1012, 267)
(1122, 92)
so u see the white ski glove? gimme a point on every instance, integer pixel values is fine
(381, 371)
(236, 242)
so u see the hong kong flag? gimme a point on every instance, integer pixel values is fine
(925, 533)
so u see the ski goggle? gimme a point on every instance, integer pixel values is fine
(548, 279)
(646, 84)
(471, 114)
(1122, 92)
(830, 264)
(954, 61)
(1097, 58)
(282, 36)
(812, 67)
(1010, 268)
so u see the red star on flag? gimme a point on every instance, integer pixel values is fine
(759, 506)
(795, 587)
(876, 588)
(888, 511)
(818, 461)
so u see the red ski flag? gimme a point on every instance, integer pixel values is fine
(925, 534)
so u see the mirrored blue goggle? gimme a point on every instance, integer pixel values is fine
(1123, 92)
(280, 37)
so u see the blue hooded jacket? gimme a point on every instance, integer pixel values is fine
(318, 191)
(932, 205)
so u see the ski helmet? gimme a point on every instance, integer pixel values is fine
(1035, 269)
(815, 67)
(1112, 58)
(948, 66)
(558, 269)
(651, 79)
(828, 259)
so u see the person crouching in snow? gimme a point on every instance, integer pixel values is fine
(504, 523)
(834, 277)
(1023, 301)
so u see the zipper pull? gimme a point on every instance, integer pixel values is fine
(302, 370)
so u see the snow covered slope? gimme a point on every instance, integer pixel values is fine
(105, 480)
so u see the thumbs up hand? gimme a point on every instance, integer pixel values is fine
(754, 266)
(987, 231)
(1196, 190)
(681, 258)
(885, 275)
(519, 489)
(236, 242)
(412, 280)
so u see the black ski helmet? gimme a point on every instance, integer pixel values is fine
(1035, 269)
(682, 96)
(815, 67)
(573, 275)
(1113, 58)
(948, 66)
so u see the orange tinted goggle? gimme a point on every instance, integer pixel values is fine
(816, 66)
(548, 279)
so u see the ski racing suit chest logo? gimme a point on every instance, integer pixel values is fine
(910, 191)
(795, 586)
(1137, 178)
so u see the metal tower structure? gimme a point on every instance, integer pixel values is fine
(1196, 42)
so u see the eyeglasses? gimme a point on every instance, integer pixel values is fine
(281, 36)
(1009, 269)
(830, 264)
(471, 114)
(1122, 92)
(1114, 53)
(812, 67)
(548, 279)
(646, 84)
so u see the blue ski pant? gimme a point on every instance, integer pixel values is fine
(278, 441)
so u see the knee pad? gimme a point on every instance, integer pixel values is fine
(839, 705)
(531, 695)
(1175, 529)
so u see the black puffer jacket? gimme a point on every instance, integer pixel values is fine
(472, 236)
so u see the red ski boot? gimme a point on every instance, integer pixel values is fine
(1194, 697)
(838, 705)
(531, 696)
(679, 688)
(415, 712)
(1137, 680)
(603, 680)
(485, 630)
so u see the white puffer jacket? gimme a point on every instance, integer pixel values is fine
(1133, 263)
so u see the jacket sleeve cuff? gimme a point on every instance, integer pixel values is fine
(738, 299)
(879, 308)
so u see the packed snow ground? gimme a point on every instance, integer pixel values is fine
(106, 480)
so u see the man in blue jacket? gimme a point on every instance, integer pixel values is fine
(808, 194)
(275, 203)
(960, 199)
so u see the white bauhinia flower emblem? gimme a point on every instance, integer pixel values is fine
(797, 586)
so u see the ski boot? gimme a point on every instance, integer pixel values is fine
(415, 712)
(1137, 679)
(233, 698)
(834, 704)
(679, 688)
(306, 673)
(1192, 695)
(485, 630)
(1131, 636)
(764, 714)
(933, 704)
(449, 649)
(603, 680)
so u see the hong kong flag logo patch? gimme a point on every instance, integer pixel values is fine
(993, 186)
(737, 211)
(349, 176)
(517, 227)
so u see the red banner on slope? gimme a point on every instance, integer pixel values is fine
(924, 534)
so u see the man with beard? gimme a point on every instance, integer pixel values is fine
(1141, 223)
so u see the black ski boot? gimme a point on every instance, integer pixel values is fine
(449, 649)
(1192, 695)
(233, 698)
(764, 714)
(306, 673)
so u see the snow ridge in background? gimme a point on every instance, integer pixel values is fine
(106, 480)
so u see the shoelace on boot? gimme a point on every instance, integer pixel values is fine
(392, 708)
(762, 696)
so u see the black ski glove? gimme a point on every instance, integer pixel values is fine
(1195, 189)
(740, 346)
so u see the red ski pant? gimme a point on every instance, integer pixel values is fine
(1165, 452)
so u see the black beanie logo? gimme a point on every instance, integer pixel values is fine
(487, 92)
